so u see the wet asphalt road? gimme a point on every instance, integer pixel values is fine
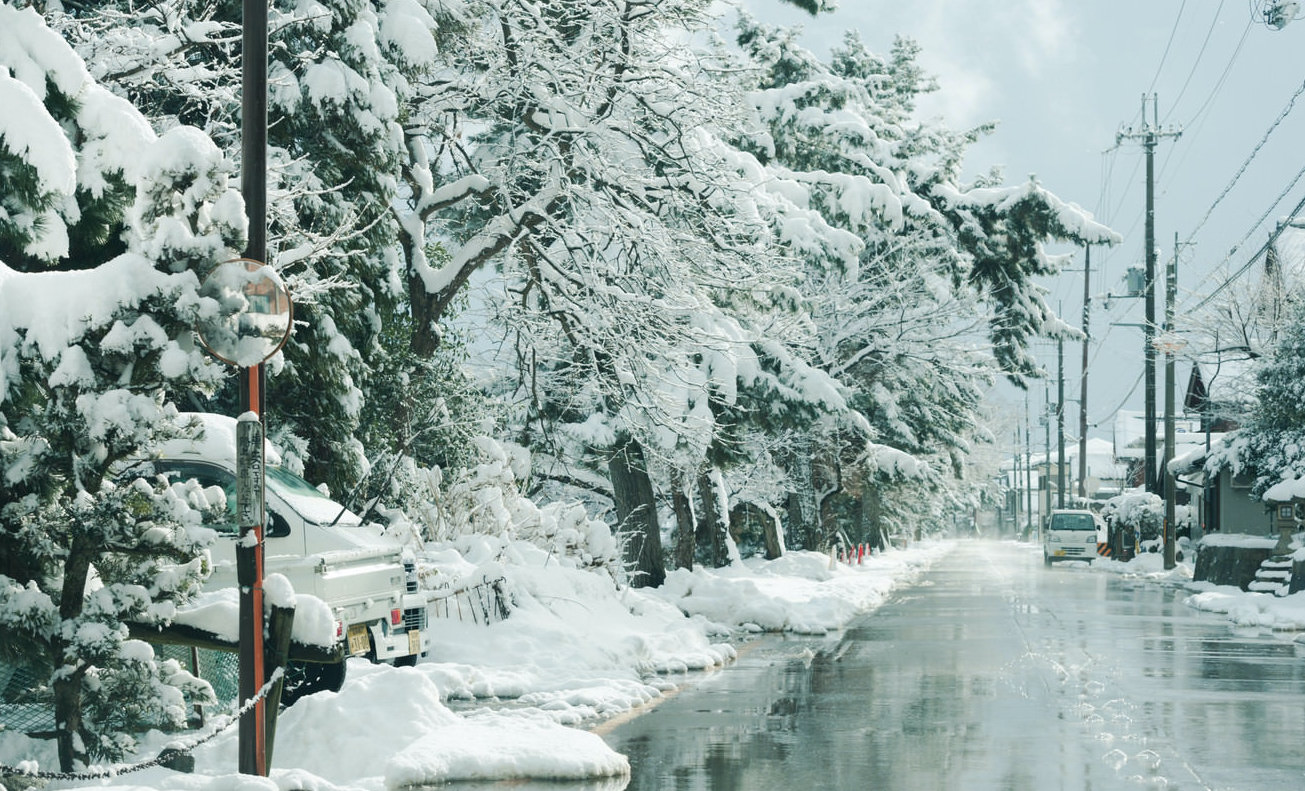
(992, 673)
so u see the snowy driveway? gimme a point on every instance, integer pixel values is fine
(994, 673)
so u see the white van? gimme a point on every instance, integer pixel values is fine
(1072, 535)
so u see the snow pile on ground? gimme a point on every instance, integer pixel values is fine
(1247, 608)
(800, 592)
(521, 747)
(500, 701)
(1151, 566)
(1244, 608)
(1251, 608)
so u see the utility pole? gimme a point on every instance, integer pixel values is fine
(1083, 377)
(1046, 423)
(1028, 465)
(1171, 291)
(1060, 423)
(252, 741)
(1019, 497)
(1149, 134)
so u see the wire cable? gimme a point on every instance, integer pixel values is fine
(1168, 44)
(1192, 72)
(1197, 121)
(1263, 248)
(1223, 77)
(1115, 411)
(1291, 104)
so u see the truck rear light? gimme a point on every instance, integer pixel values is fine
(339, 630)
(396, 617)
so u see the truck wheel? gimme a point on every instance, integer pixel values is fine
(405, 661)
(305, 678)
(1046, 561)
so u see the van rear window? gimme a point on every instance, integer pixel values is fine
(1072, 522)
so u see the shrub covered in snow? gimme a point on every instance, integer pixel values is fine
(104, 229)
(1145, 513)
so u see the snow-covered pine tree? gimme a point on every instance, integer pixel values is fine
(344, 77)
(99, 263)
(899, 314)
(1271, 443)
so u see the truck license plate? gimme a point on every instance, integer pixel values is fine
(414, 641)
(1060, 553)
(358, 641)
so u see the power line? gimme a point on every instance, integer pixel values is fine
(1168, 44)
(1224, 75)
(1198, 118)
(1115, 411)
(1192, 72)
(1291, 103)
(1263, 248)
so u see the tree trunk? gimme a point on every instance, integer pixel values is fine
(685, 538)
(636, 512)
(828, 520)
(771, 531)
(711, 520)
(796, 525)
(67, 686)
(801, 506)
(872, 525)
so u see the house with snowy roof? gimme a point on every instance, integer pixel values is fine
(1128, 439)
(1222, 387)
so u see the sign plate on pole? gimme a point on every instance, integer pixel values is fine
(249, 472)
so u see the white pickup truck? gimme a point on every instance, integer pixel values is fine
(323, 549)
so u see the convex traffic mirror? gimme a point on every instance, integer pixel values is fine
(253, 314)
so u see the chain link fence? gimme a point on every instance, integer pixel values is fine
(27, 702)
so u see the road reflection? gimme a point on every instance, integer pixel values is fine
(998, 675)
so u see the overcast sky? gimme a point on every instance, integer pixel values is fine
(1062, 77)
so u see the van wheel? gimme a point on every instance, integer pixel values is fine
(305, 678)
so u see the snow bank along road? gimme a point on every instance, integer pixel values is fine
(575, 651)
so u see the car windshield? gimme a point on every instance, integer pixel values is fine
(1073, 522)
(310, 503)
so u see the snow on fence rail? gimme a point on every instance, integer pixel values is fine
(483, 603)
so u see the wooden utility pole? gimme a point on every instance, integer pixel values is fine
(1046, 447)
(1149, 134)
(1028, 464)
(1171, 291)
(1083, 376)
(1060, 423)
(1015, 515)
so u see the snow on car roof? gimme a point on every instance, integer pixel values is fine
(213, 438)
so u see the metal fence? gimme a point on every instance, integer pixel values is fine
(483, 603)
(27, 702)
(221, 669)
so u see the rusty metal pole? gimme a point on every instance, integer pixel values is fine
(249, 571)
(253, 184)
